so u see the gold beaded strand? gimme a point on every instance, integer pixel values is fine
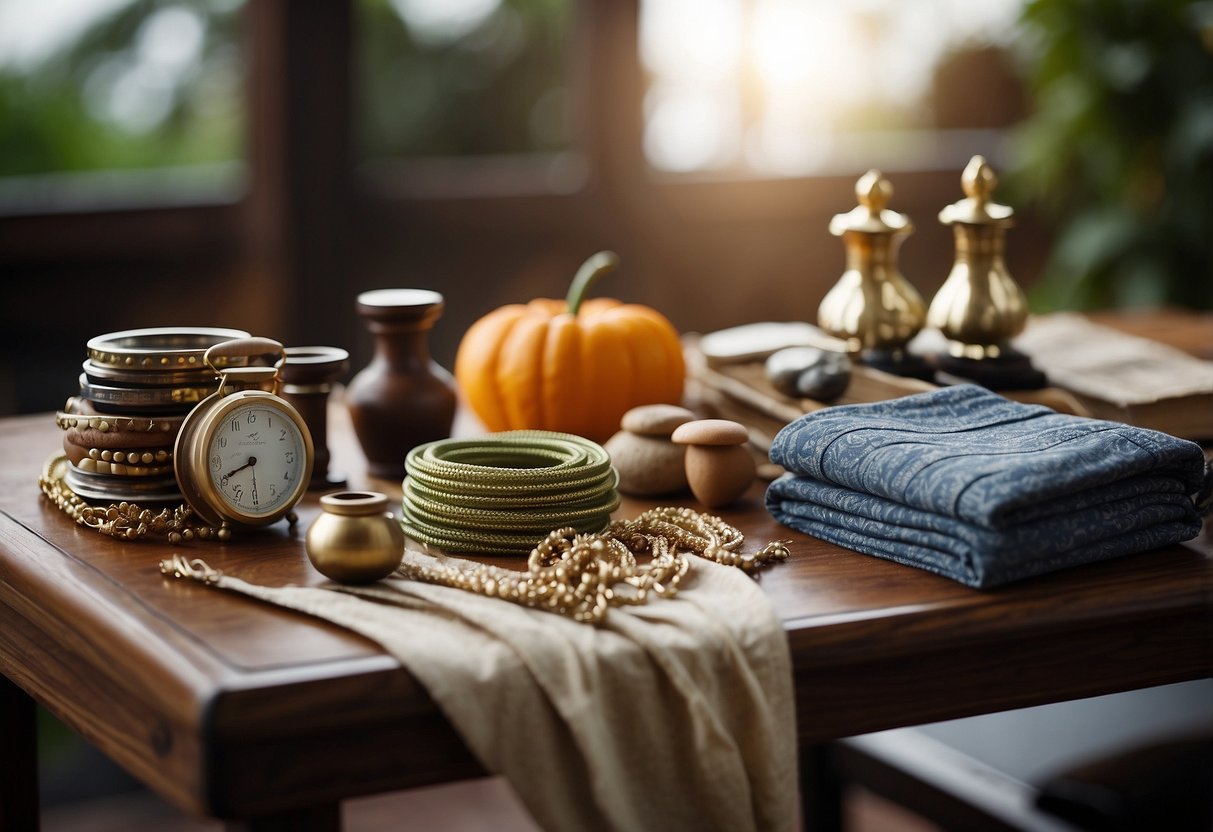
(582, 575)
(125, 520)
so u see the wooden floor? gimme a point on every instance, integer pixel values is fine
(475, 806)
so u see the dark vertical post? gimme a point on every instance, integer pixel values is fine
(820, 790)
(18, 760)
(301, 194)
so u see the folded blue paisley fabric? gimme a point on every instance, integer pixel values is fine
(965, 483)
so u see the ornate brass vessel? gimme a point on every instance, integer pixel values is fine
(980, 307)
(872, 307)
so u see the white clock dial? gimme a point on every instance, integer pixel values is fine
(256, 459)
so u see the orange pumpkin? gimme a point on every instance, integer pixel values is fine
(569, 366)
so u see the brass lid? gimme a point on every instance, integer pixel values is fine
(978, 182)
(871, 217)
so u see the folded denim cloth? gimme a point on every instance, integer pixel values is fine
(965, 483)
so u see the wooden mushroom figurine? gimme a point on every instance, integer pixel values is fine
(718, 466)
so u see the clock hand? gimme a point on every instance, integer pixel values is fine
(252, 460)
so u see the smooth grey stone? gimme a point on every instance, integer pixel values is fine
(809, 373)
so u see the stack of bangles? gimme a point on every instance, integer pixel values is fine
(136, 387)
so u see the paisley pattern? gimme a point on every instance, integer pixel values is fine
(970, 485)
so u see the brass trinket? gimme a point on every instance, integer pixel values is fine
(356, 539)
(872, 307)
(980, 308)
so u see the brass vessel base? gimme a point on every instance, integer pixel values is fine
(1011, 370)
(898, 362)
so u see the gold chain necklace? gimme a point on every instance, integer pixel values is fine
(125, 520)
(580, 576)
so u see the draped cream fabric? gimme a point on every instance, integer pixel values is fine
(673, 715)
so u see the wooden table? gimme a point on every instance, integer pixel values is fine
(230, 708)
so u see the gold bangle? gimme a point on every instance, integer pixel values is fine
(116, 423)
(135, 462)
(158, 348)
(121, 377)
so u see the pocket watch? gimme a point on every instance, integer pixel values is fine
(243, 455)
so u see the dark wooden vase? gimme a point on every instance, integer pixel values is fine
(308, 376)
(402, 398)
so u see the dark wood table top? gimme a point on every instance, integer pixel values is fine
(230, 707)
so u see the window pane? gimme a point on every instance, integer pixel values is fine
(462, 77)
(92, 85)
(773, 86)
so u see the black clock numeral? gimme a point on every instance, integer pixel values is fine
(282, 435)
(252, 418)
(216, 461)
(238, 491)
(289, 457)
(222, 441)
(235, 426)
(273, 491)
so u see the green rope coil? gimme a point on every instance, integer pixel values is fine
(502, 493)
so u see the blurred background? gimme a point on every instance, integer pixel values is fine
(257, 163)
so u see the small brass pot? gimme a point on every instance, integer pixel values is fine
(356, 539)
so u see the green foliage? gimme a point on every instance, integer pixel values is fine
(1118, 153)
(53, 115)
(497, 88)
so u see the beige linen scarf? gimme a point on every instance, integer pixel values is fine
(672, 715)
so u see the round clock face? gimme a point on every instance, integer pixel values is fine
(256, 459)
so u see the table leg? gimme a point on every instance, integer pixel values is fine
(326, 818)
(18, 759)
(820, 790)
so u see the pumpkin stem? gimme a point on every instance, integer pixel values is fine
(592, 269)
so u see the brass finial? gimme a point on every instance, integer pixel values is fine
(978, 183)
(872, 307)
(873, 192)
(980, 307)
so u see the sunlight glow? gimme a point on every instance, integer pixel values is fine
(31, 31)
(689, 131)
(439, 22)
(769, 85)
(692, 40)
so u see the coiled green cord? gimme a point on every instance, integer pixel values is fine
(503, 493)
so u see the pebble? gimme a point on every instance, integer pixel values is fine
(655, 419)
(809, 373)
(647, 462)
